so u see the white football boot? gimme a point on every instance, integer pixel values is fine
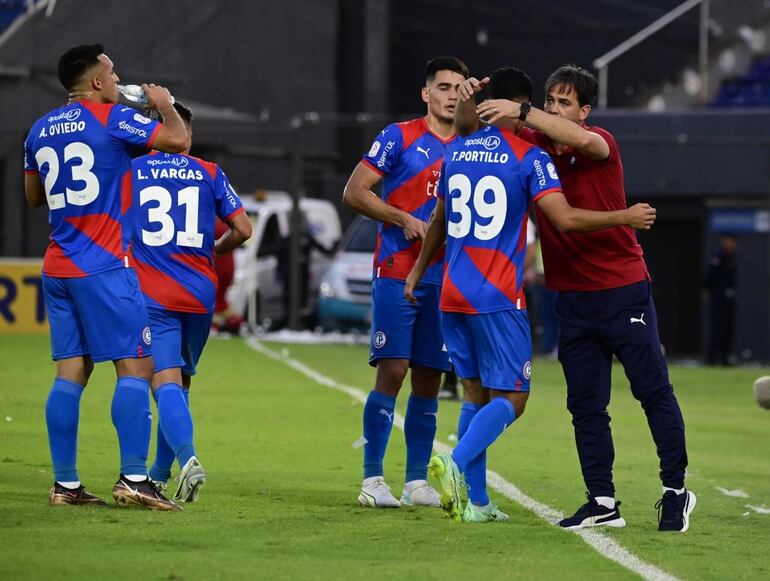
(374, 492)
(420, 493)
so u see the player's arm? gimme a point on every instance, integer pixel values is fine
(172, 136)
(358, 195)
(435, 236)
(558, 129)
(466, 118)
(569, 219)
(240, 232)
(33, 190)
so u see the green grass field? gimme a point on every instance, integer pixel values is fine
(283, 479)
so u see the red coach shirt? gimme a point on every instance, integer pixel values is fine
(589, 261)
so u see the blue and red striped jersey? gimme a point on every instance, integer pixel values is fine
(177, 199)
(409, 157)
(81, 152)
(487, 183)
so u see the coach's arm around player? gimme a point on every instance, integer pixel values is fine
(358, 195)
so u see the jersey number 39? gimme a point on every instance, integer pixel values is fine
(495, 210)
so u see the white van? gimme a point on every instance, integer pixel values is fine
(258, 290)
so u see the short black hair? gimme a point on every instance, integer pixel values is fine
(444, 63)
(76, 61)
(184, 112)
(574, 77)
(510, 83)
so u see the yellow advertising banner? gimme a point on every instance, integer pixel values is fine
(22, 309)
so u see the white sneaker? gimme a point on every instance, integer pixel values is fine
(374, 492)
(190, 479)
(420, 493)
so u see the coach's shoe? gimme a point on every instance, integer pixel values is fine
(144, 493)
(674, 510)
(488, 513)
(593, 514)
(374, 492)
(420, 493)
(443, 468)
(60, 496)
(191, 478)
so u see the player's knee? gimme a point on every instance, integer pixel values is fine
(649, 396)
(390, 375)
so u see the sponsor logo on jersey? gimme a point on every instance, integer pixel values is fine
(70, 115)
(552, 171)
(489, 142)
(375, 148)
(385, 152)
(141, 118)
(540, 173)
(177, 161)
(380, 339)
(131, 129)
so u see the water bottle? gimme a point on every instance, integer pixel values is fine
(135, 93)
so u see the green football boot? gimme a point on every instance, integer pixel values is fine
(443, 468)
(488, 513)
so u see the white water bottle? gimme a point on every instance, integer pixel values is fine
(136, 94)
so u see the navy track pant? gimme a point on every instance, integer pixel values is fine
(596, 325)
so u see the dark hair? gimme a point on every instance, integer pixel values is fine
(76, 61)
(184, 112)
(574, 77)
(510, 83)
(444, 63)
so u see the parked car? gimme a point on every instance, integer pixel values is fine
(345, 292)
(259, 285)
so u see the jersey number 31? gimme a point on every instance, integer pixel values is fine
(188, 197)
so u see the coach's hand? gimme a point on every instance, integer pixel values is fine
(157, 96)
(493, 109)
(411, 283)
(470, 87)
(641, 216)
(414, 229)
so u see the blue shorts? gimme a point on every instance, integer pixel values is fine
(493, 347)
(401, 330)
(178, 339)
(102, 315)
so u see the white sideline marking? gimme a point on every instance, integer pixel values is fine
(758, 509)
(604, 545)
(737, 493)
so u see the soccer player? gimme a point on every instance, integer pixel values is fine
(487, 183)
(605, 304)
(177, 199)
(77, 160)
(407, 158)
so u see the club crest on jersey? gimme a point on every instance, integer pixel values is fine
(380, 339)
(527, 370)
(146, 336)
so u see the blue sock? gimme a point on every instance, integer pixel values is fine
(133, 422)
(164, 454)
(62, 412)
(378, 422)
(175, 421)
(419, 429)
(476, 472)
(486, 426)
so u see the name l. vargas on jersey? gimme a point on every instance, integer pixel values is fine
(170, 173)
